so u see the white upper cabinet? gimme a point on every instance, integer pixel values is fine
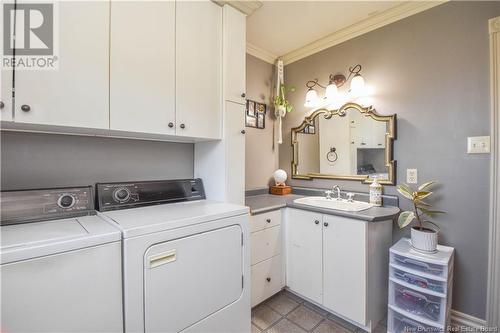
(199, 69)
(234, 55)
(142, 66)
(304, 254)
(77, 93)
(344, 267)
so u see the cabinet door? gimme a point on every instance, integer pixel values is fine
(234, 55)
(6, 95)
(199, 69)
(5, 90)
(304, 254)
(77, 94)
(344, 267)
(235, 152)
(142, 66)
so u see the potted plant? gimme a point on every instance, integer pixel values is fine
(281, 107)
(281, 104)
(424, 234)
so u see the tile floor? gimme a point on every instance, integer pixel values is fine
(288, 313)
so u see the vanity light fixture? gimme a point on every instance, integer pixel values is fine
(331, 90)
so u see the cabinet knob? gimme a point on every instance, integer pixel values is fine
(25, 108)
(268, 279)
(170, 125)
(182, 126)
(1, 105)
(243, 95)
(268, 220)
(325, 224)
(363, 143)
(243, 131)
(316, 222)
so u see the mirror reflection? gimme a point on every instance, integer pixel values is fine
(349, 143)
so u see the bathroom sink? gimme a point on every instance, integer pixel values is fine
(345, 205)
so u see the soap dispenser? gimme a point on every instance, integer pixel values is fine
(376, 192)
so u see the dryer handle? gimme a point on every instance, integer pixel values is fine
(162, 258)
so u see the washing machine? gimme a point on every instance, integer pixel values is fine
(60, 263)
(186, 264)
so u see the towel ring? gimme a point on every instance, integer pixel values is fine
(332, 156)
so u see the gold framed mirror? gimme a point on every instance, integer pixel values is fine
(349, 143)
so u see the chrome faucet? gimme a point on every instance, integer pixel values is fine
(337, 188)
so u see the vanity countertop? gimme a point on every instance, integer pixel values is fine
(267, 202)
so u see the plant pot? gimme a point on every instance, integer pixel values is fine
(424, 239)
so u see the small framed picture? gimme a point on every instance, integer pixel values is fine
(250, 108)
(261, 120)
(250, 121)
(261, 108)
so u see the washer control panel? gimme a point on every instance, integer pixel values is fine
(111, 196)
(44, 204)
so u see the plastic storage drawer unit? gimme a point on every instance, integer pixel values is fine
(420, 286)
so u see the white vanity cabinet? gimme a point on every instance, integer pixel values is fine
(266, 255)
(5, 94)
(76, 94)
(304, 262)
(339, 263)
(142, 67)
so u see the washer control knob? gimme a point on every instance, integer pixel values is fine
(66, 201)
(121, 195)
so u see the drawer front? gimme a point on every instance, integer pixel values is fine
(418, 281)
(267, 279)
(265, 220)
(399, 323)
(418, 266)
(425, 306)
(265, 244)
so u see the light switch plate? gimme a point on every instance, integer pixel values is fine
(478, 145)
(411, 176)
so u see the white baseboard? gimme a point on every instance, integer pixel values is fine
(463, 319)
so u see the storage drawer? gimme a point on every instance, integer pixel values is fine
(410, 264)
(418, 281)
(267, 279)
(265, 220)
(417, 303)
(398, 323)
(265, 244)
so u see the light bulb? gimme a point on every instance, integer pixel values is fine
(331, 91)
(357, 84)
(311, 98)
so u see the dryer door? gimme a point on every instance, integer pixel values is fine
(190, 278)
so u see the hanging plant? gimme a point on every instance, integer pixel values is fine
(281, 104)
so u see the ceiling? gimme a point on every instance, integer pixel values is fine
(281, 28)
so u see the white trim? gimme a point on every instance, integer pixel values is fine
(261, 53)
(463, 319)
(374, 22)
(493, 301)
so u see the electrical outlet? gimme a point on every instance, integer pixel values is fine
(411, 176)
(478, 145)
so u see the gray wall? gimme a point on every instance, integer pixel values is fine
(261, 149)
(432, 70)
(32, 160)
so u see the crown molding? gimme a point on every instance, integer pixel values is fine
(374, 22)
(261, 53)
(246, 7)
